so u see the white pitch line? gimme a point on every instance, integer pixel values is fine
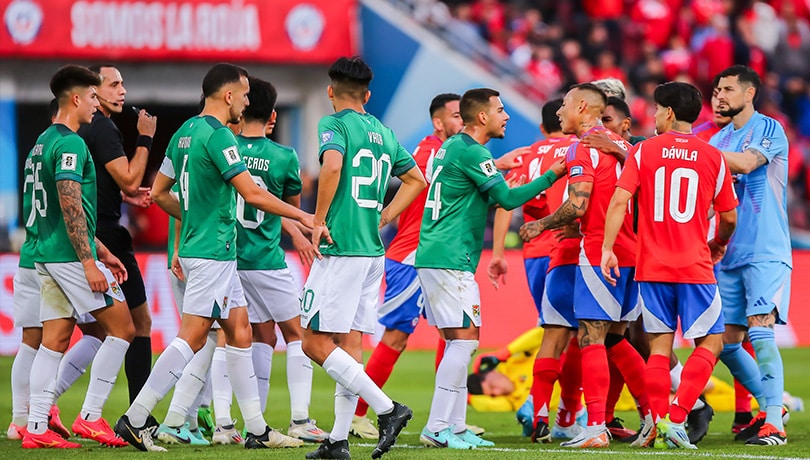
(678, 452)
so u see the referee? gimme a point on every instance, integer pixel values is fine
(119, 179)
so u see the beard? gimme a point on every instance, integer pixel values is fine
(731, 112)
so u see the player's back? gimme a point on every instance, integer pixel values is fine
(204, 155)
(29, 213)
(60, 154)
(455, 216)
(679, 177)
(403, 246)
(274, 168)
(591, 165)
(371, 155)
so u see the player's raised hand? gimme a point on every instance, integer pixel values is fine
(147, 124)
(717, 251)
(531, 230)
(177, 270)
(568, 231)
(497, 271)
(96, 279)
(609, 261)
(307, 252)
(516, 181)
(319, 233)
(559, 167)
(512, 159)
(601, 141)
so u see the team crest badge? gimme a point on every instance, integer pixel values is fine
(23, 19)
(476, 310)
(231, 155)
(575, 171)
(488, 167)
(766, 143)
(115, 288)
(326, 136)
(68, 161)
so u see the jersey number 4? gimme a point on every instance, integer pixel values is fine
(434, 198)
(676, 179)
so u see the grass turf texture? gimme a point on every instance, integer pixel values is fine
(412, 383)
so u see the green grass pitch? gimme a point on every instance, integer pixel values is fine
(412, 383)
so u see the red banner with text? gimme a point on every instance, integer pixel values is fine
(506, 312)
(285, 31)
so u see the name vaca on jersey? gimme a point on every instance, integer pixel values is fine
(679, 154)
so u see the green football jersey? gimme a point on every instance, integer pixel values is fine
(275, 168)
(371, 155)
(29, 247)
(204, 157)
(452, 234)
(60, 154)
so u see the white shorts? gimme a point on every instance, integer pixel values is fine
(178, 291)
(452, 299)
(67, 280)
(270, 295)
(212, 287)
(26, 298)
(341, 294)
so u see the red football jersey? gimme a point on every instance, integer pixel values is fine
(591, 165)
(705, 130)
(543, 154)
(403, 247)
(678, 178)
(565, 252)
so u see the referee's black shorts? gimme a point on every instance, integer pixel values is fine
(119, 242)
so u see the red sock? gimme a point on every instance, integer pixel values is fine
(742, 397)
(440, 351)
(546, 372)
(379, 368)
(570, 384)
(595, 387)
(614, 390)
(632, 367)
(696, 373)
(658, 385)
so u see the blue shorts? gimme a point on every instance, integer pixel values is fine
(403, 302)
(536, 269)
(595, 299)
(755, 289)
(558, 304)
(697, 305)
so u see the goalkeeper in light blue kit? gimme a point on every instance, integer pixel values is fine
(754, 278)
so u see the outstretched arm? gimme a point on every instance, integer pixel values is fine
(579, 195)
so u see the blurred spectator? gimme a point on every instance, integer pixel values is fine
(606, 67)
(653, 20)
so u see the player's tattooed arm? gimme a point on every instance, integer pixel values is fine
(70, 199)
(579, 195)
(745, 162)
(592, 332)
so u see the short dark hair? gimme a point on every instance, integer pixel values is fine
(220, 75)
(473, 101)
(744, 75)
(263, 96)
(619, 104)
(439, 102)
(551, 122)
(97, 68)
(351, 76)
(53, 109)
(684, 99)
(72, 76)
(590, 87)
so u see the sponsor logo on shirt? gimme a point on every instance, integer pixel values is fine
(575, 171)
(231, 155)
(69, 161)
(326, 136)
(488, 167)
(765, 142)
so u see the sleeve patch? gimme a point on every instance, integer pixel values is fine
(765, 142)
(488, 167)
(326, 137)
(231, 155)
(69, 161)
(575, 171)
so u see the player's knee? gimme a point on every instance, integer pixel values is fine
(124, 331)
(729, 349)
(142, 320)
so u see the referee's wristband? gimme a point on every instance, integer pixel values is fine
(720, 241)
(144, 141)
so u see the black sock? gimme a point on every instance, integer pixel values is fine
(138, 364)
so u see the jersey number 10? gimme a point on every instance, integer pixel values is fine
(675, 182)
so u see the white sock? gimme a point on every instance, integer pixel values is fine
(43, 382)
(299, 381)
(345, 404)
(262, 365)
(103, 374)
(168, 369)
(21, 384)
(75, 363)
(458, 413)
(349, 373)
(190, 385)
(221, 388)
(451, 377)
(675, 376)
(243, 380)
(191, 416)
